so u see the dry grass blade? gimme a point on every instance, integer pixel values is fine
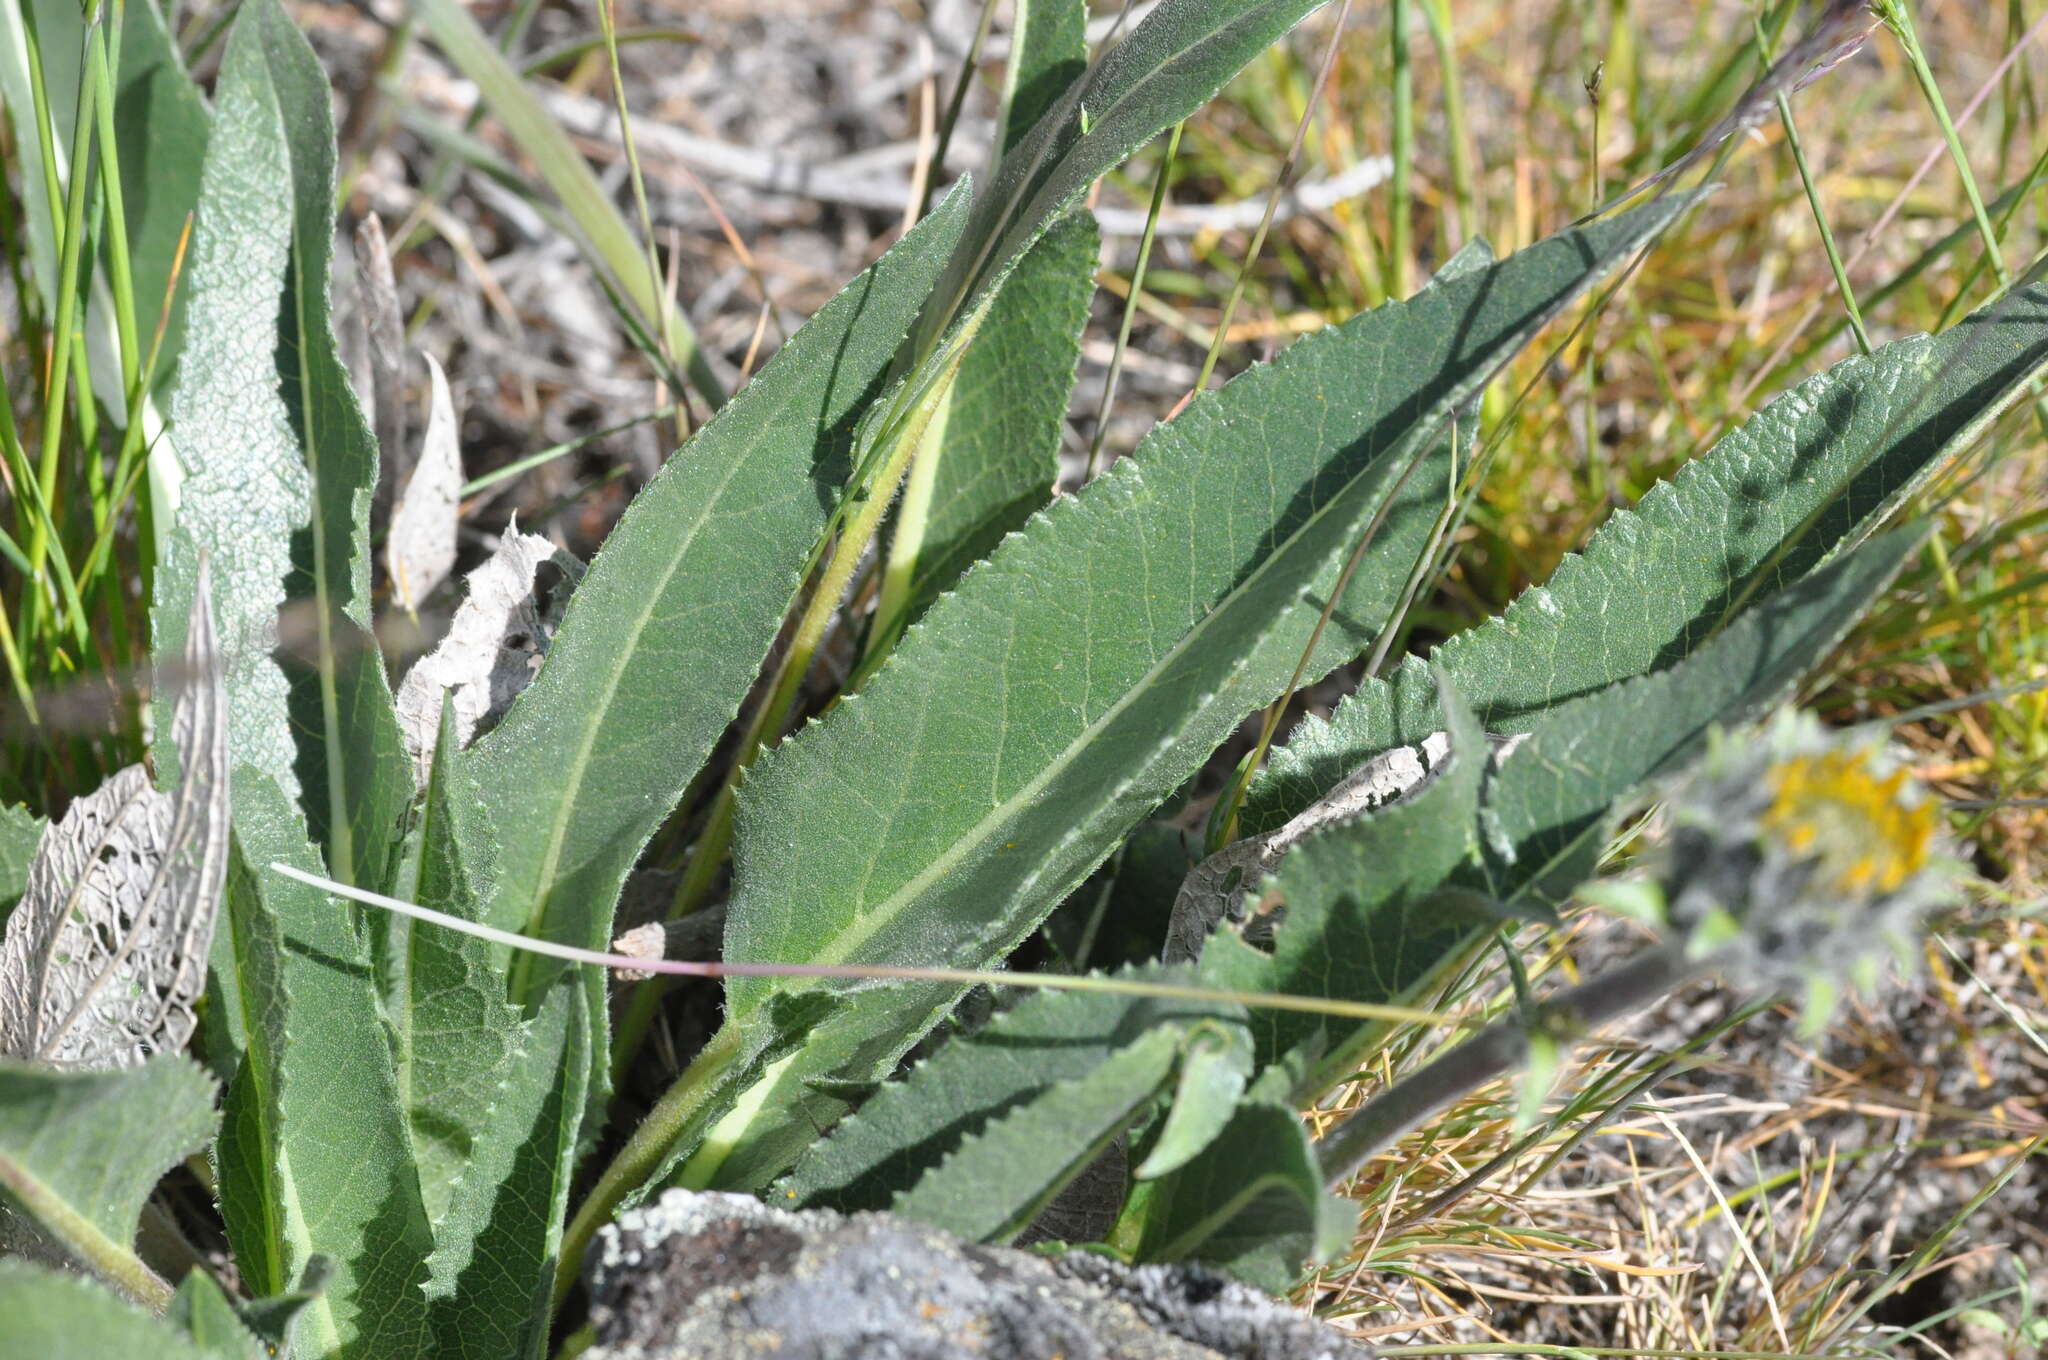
(419, 550)
(105, 955)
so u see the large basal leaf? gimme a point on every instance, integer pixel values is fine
(992, 451)
(55, 1316)
(105, 959)
(314, 1155)
(1048, 53)
(1818, 468)
(671, 624)
(491, 1129)
(1360, 923)
(911, 1125)
(1078, 676)
(1551, 807)
(279, 464)
(80, 1151)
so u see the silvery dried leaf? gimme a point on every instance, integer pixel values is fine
(105, 955)
(494, 646)
(419, 549)
(382, 381)
(1218, 886)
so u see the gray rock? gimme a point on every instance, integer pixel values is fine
(710, 1276)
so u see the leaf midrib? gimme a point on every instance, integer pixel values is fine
(570, 789)
(867, 923)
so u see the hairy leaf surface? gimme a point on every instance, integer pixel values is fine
(1818, 468)
(1048, 53)
(1078, 676)
(314, 1157)
(992, 452)
(53, 1315)
(910, 1126)
(80, 1151)
(999, 1178)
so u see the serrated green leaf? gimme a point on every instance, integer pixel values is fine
(1362, 919)
(279, 463)
(1817, 469)
(56, 1316)
(1552, 803)
(992, 451)
(20, 832)
(314, 1157)
(1078, 676)
(1214, 1069)
(1252, 1203)
(204, 1314)
(672, 621)
(911, 1125)
(80, 1151)
(999, 1178)
(455, 1041)
(1048, 53)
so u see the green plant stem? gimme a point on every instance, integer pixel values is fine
(708, 855)
(1820, 217)
(688, 1103)
(1465, 214)
(71, 232)
(951, 119)
(1123, 334)
(1897, 16)
(1281, 182)
(664, 316)
(1400, 203)
(107, 1258)
(1492, 1053)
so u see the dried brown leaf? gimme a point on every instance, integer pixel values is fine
(419, 550)
(494, 645)
(105, 955)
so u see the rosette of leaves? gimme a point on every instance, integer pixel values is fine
(405, 1112)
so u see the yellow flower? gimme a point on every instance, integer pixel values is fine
(1854, 821)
